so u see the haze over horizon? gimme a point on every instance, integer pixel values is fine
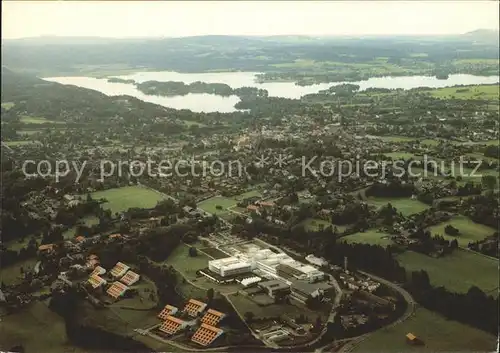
(123, 19)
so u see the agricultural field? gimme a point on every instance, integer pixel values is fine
(403, 139)
(371, 236)
(481, 157)
(37, 120)
(486, 143)
(469, 231)
(438, 333)
(467, 174)
(18, 143)
(406, 206)
(210, 205)
(37, 329)
(488, 92)
(185, 264)
(457, 271)
(121, 199)
(396, 138)
(28, 132)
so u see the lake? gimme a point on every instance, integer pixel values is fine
(204, 102)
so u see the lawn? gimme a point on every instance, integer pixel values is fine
(371, 236)
(438, 333)
(404, 205)
(400, 155)
(10, 275)
(121, 199)
(210, 205)
(37, 329)
(457, 271)
(185, 264)
(469, 231)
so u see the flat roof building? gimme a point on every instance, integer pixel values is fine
(229, 266)
(302, 290)
(274, 287)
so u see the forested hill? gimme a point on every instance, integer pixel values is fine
(32, 96)
(205, 53)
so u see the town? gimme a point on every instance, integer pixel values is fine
(318, 213)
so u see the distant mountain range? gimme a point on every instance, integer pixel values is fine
(482, 35)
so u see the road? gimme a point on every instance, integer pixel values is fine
(410, 309)
(411, 304)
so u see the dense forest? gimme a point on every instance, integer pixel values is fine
(265, 54)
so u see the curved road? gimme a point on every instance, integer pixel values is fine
(410, 309)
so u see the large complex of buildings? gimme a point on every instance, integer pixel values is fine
(229, 266)
(266, 261)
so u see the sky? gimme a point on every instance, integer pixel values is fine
(179, 19)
